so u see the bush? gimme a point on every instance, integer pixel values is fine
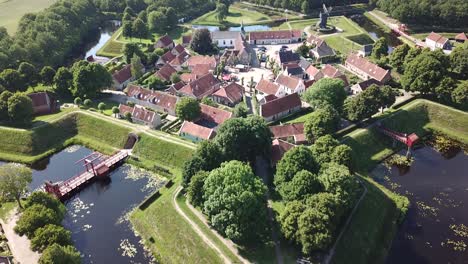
(49, 235)
(35, 217)
(101, 106)
(46, 200)
(57, 254)
(77, 101)
(87, 103)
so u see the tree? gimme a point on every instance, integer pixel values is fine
(188, 109)
(342, 154)
(459, 61)
(48, 201)
(411, 55)
(157, 21)
(34, 217)
(102, 106)
(130, 49)
(244, 138)
(12, 80)
(127, 29)
(155, 82)
(195, 189)
(323, 148)
(397, 57)
(305, 7)
(337, 179)
(387, 96)
(49, 235)
(221, 12)
(207, 157)
(321, 122)
(424, 73)
(201, 41)
(445, 89)
(139, 29)
(89, 79)
(294, 161)
(77, 101)
(4, 96)
(303, 184)
(314, 231)
(326, 90)
(128, 116)
(235, 201)
(380, 49)
(289, 219)
(63, 81)
(28, 73)
(20, 109)
(303, 50)
(14, 181)
(240, 110)
(175, 78)
(47, 75)
(460, 95)
(115, 111)
(88, 103)
(136, 66)
(57, 254)
(365, 104)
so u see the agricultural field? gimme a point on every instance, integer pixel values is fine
(11, 11)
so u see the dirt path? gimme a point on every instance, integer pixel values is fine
(196, 228)
(228, 243)
(19, 245)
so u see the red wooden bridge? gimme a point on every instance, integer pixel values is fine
(408, 140)
(65, 189)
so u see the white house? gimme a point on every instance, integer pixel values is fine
(290, 84)
(435, 41)
(122, 77)
(140, 115)
(225, 39)
(275, 37)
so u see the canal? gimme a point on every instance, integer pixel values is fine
(98, 215)
(435, 229)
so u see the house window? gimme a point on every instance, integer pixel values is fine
(231, 41)
(224, 42)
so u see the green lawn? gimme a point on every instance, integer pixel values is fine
(11, 11)
(5, 208)
(298, 24)
(372, 228)
(169, 237)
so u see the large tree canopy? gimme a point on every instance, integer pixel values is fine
(201, 41)
(188, 109)
(321, 122)
(14, 181)
(235, 201)
(326, 91)
(89, 79)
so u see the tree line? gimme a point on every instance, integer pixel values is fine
(450, 13)
(304, 6)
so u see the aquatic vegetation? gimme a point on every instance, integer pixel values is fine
(71, 149)
(128, 250)
(460, 230)
(455, 245)
(399, 161)
(135, 174)
(426, 210)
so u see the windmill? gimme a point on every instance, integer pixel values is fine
(324, 16)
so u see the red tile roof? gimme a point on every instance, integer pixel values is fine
(197, 130)
(267, 87)
(280, 105)
(123, 75)
(201, 69)
(143, 114)
(214, 114)
(179, 48)
(275, 34)
(186, 39)
(233, 92)
(330, 71)
(368, 67)
(461, 36)
(437, 38)
(125, 109)
(200, 86)
(39, 99)
(180, 59)
(165, 72)
(165, 40)
(188, 77)
(194, 60)
(288, 81)
(160, 99)
(289, 130)
(313, 72)
(278, 148)
(167, 57)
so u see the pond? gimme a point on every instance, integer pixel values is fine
(97, 216)
(100, 38)
(435, 229)
(376, 32)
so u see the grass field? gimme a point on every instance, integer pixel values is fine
(371, 230)
(11, 11)
(169, 237)
(298, 24)
(5, 208)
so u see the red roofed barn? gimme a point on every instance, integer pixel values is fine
(366, 69)
(280, 107)
(275, 37)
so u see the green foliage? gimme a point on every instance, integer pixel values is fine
(235, 201)
(128, 116)
(28, 73)
(240, 110)
(201, 41)
(115, 110)
(88, 103)
(321, 122)
(397, 57)
(34, 217)
(208, 101)
(445, 89)
(20, 109)
(367, 103)
(195, 188)
(294, 161)
(57, 254)
(49, 235)
(155, 82)
(221, 11)
(188, 109)
(89, 79)
(314, 231)
(207, 157)
(460, 95)
(175, 78)
(459, 61)
(303, 50)
(424, 73)
(4, 96)
(326, 90)
(47, 75)
(303, 184)
(380, 49)
(323, 147)
(127, 29)
(12, 80)
(77, 101)
(14, 181)
(136, 66)
(130, 49)
(102, 106)
(63, 81)
(47, 200)
(337, 178)
(244, 138)
(139, 29)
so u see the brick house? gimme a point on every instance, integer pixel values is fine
(140, 115)
(196, 133)
(229, 95)
(281, 107)
(164, 42)
(290, 131)
(366, 69)
(201, 87)
(122, 77)
(290, 84)
(159, 101)
(165, 72)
